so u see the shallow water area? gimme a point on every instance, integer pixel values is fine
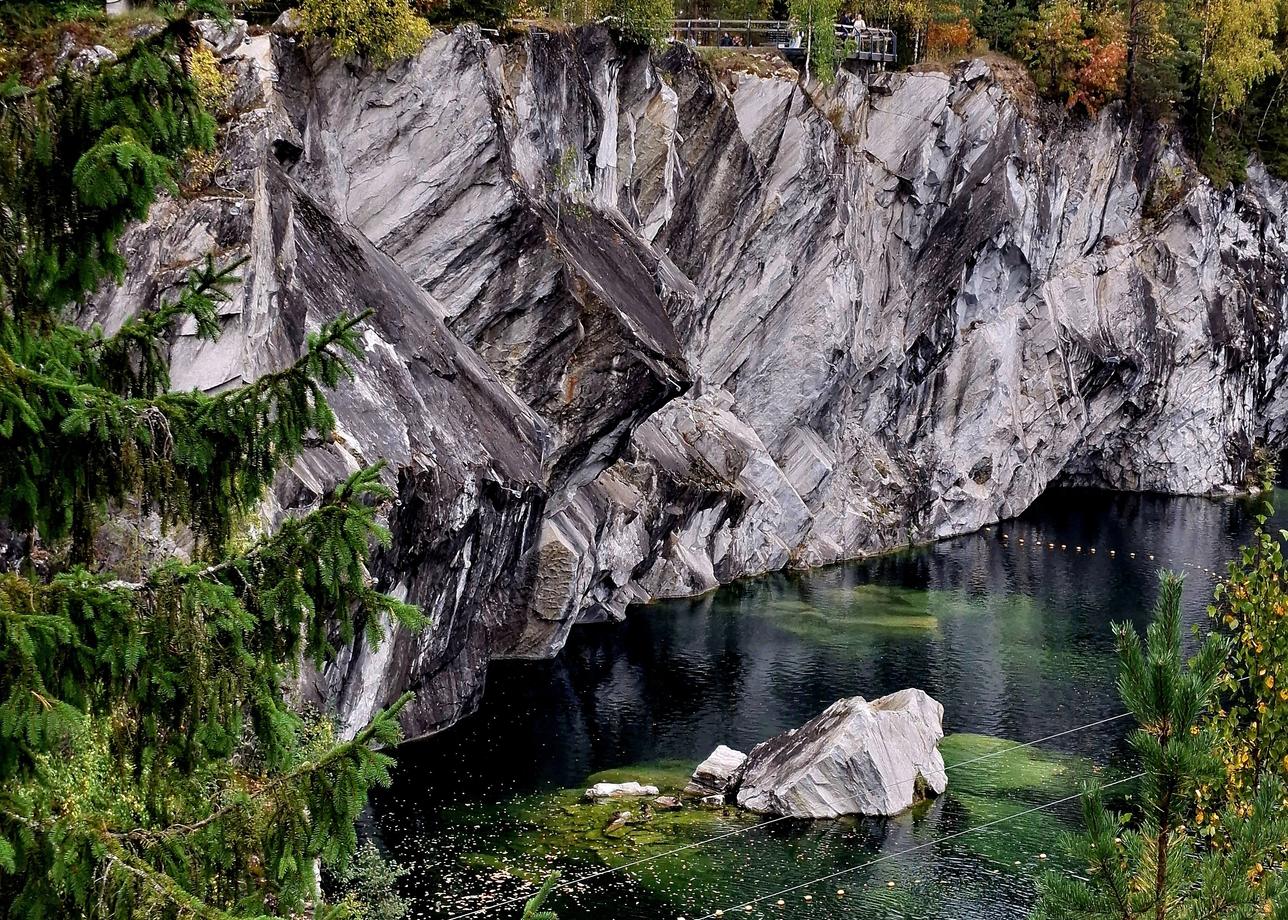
(1008, 628)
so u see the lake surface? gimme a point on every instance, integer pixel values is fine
(1009, 632)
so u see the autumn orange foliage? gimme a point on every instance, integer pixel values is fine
(945, 39)
(1100, 79)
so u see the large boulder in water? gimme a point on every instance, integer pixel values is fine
(857, 758)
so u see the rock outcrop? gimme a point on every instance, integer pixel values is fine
(631, 790)
(857, 758)
(718, 774)
(640, 330)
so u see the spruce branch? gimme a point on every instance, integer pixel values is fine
(163, 885)
(131, 362)
(381, 730)
(158, 707)
(81, 446)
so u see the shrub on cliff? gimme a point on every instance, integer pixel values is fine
(379, 31)
(150, 765)
(1250, 727)
(641, 22)
(1076, 57)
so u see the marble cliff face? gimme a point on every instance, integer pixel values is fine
(640, 329)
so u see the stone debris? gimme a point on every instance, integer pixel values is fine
(718, 773)
(288, 23)
(620, 791)
(619, 822)
(222, 39)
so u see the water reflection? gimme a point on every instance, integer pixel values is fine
(1010, 633)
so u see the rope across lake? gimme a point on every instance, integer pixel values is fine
(1019, 745)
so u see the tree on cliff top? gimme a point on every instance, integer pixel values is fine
(816, 20)
(149, 763)
(642, 22)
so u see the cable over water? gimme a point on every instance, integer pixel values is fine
(764, 824)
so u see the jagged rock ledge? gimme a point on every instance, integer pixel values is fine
(640, 331)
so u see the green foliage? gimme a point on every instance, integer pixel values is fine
(1001, 24)
(368, 886)
(150, 764)
(379, 31)
(1052, 47)
(533, 909)
(742, 9)
(646, 23)
(1075, 56)
(214, 87)
(1239, 45)
(815, 19)
(1250, 729)
(1149, 862)
(82, 157)
(494, 13)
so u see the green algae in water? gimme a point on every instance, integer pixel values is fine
(860, 619)
(669, 776)
(560, 828)
(836, 613)
(1006, 787)
(1010, 770)
(841, 615)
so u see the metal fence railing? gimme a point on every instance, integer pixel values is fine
(861, 44)
(868, 44)
(747, 33)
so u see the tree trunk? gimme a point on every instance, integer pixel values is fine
(1133, 41)
(809, 42)
(1160, 875)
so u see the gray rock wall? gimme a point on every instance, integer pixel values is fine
(640, 330)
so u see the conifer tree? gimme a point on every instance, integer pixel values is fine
(534, 909)
(1149, 862)
(150, 762)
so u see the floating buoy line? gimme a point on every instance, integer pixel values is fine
(1051, 545)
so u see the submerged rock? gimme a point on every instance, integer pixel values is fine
(667, 803)
(620, 791)
(718, 773)
(857, 758)
(618, 824)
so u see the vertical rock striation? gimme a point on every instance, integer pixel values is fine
(641, 329)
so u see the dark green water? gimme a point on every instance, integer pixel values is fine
(1011, 635)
